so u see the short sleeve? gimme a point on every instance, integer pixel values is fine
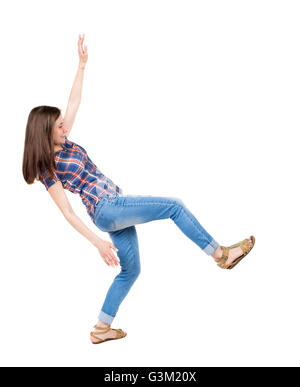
(46, 179)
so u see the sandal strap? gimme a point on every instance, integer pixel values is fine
(120, 333)
(245, 246)
(225, 253)
(236, 245)
(103, 330)
(225, 256)
(96, 337)
(221, 261)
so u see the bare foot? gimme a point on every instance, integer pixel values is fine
(234, 253)
(100, 335)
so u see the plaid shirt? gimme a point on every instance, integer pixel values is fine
(79, 174)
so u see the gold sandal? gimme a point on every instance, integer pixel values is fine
(244, 245)
(120, 334)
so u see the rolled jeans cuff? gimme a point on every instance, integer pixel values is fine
(211, 247)
(106, 318)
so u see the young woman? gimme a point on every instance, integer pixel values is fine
(51, 158)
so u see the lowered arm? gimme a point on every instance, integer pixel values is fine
(105, 248)
(59, 196)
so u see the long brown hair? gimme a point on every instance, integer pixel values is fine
(39, 145)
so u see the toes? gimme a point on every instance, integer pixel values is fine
(251, 241)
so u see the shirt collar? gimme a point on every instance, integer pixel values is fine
(67, 144)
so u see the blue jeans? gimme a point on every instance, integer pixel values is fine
(118, 214)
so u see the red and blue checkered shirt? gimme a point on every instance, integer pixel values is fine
(79, 174)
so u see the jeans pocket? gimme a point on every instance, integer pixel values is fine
(99, 206)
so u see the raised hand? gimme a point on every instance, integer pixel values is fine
(82, 52)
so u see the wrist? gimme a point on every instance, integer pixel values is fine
(81, 66)
(95, 240)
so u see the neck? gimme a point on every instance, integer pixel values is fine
(57, 148)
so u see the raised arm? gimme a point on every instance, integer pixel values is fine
(59, 196)
(76, 91)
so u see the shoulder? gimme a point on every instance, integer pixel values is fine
(45, 178)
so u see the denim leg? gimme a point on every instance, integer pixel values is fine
(126, 210)
(126, 242)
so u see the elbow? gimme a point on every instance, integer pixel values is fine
(68, 214)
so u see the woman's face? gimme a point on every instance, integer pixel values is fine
(59, 131)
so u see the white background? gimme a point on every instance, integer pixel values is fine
(191, 99)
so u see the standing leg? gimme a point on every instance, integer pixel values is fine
(126, 242)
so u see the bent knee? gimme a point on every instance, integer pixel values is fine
(136, 272)
(133, 271)
(178, 202)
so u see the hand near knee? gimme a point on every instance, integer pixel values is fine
(105, 249)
